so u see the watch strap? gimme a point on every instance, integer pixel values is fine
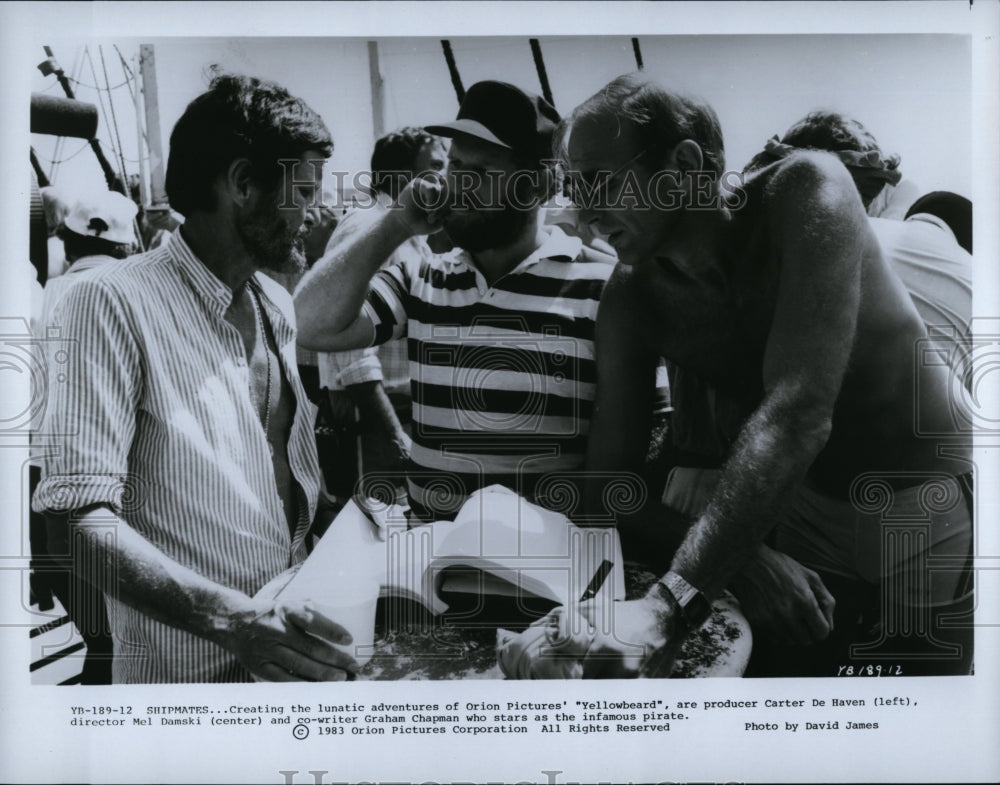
(692, 605)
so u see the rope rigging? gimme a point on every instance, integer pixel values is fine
(638, 53)
(456, 79)
(543, 77)
(114, 118)
(57, 161)
(78, 83)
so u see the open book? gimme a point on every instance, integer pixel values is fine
(498, 544)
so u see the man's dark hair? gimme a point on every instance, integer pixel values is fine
(394, 156)
(80, 245)
(663, 118)
(238, 117)
(953, 209)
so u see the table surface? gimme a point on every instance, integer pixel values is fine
(410, 643)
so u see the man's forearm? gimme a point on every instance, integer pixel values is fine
(331, 294)
(770, 459)
(135, 572)
(375, 406)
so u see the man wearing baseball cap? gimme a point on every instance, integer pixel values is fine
(97, 229)
(500, 328)
(100, 224)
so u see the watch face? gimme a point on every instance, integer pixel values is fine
(692, 603)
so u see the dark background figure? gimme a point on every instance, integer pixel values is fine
(953, 209)
(367, 409)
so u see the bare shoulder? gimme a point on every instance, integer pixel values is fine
(622, 327)
(620, 297)
(811, 180)
(807, 169)
(810, 195)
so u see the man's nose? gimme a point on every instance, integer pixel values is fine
(594, 220)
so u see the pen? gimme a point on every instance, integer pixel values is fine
(603, 571)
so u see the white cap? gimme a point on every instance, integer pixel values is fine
(107, 215)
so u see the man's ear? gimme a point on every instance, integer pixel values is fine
(238, 182)
(687, 156)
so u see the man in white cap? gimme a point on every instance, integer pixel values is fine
(101, 224)
(98, 229)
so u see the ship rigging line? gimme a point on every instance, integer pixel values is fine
(543, 77)
(114, 118)
(100, 100)
(456, 78)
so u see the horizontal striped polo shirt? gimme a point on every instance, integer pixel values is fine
(503, 377)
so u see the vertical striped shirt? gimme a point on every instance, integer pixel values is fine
(150, 414)
(502, 376)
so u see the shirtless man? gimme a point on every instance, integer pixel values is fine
(780, 300)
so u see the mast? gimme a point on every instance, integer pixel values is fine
(378, 90)
(147, 67)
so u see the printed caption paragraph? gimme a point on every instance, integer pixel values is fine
(322, 720)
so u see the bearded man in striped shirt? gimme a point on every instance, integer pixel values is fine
(183, 465)
(499, 330)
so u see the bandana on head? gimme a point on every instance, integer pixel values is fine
(869, 160)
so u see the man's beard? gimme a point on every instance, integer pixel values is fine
(270, 242)
(482, 230)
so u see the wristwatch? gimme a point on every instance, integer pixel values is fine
(693, 607)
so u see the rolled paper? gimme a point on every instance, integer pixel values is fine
(551, 648)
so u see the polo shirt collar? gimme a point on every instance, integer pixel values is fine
(933, 220)
(557, 245)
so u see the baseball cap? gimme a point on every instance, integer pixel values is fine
(107, 215)
(507, 116)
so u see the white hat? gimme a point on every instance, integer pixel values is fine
(107, 215)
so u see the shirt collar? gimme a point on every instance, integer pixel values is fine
(215, 294)
(205, 284)
(557, 245)
(931, 219)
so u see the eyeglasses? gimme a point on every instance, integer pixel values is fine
(585, 193)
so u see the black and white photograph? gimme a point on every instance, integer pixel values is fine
(456, 392)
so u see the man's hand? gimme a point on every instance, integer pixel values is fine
(783, 600)
(639, 638)
(321, 220)
(288, 641)
(391, 446)
(423, 203)
(401, 446)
